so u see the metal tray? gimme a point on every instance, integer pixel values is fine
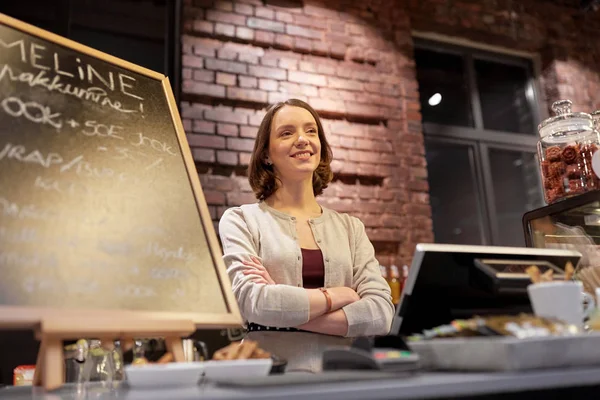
(508, 353)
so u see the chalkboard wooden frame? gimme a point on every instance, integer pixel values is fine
(30, 317)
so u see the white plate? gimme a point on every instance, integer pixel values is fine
(231, 369)
(171, 374)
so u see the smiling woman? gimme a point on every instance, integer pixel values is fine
(305, 277)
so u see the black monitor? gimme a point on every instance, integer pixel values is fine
(448, 282)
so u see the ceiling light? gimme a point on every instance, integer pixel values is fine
(435, 99)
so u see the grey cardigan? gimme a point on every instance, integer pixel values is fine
(260, 230)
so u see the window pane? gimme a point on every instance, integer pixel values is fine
(453, 194)
(505, 97)
(442, 88)
(515, 178)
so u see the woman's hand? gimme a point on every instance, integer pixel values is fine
(258, 271)
(342, 296)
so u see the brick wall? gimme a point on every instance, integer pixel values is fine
(352, 61)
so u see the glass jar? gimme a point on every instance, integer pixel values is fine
(565, 149)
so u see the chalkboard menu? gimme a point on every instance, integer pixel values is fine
(100, 203)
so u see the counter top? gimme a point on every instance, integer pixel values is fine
(350, 385)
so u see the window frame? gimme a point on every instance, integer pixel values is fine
(479, 139)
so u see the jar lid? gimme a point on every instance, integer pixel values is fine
(565, 120)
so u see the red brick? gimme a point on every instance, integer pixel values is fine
(362, 110)
(304, 20)
(236, 199)
(248, 131)
(417, 209)
(201, 88)
(210, 141)
(284, 17)
(214, 197)
(240, 144)
(253, 95)
(226, 114)
(203, 75)
(243, 9)
(337, 26)
(337, 50)
(329, 106)
(225, 66)
(276, 97)
(264, 24)
(347, 84)
(204, 51)
(284, 41)
(244, 33)
(227, 129)
(226, 157)
(224, 5)
(225, 17)
(288, 87)
(216, 182)
(320, 48)
(309, 90)
(226, 79)
(248, 58)
(295, 30)
(268, 84)
(267, 72)
(194, 111)
(418, 186)
(203, 127)
(227, 54)
(213, 212)
(316, 11)
(187, 125)
(245, 158)
(203, 27)
(326, 69)
(304, 77)
(264, 12)
(256, 119)
(302, 45)
(288, 63)
(192, 61)
(203, 155)
(186, 73)
(269, 60)
(224, 29)
(264, 38)
(248, 82)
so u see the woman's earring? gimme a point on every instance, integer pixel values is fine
(268, 162)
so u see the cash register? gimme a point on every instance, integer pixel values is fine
(448, 282)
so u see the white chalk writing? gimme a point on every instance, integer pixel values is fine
(19, 153)
(154, 249)
(28, 211)
(135, 291)
(53, 84)
(32, 259)
(168, 273)
(101, 130)
(20, 235)
(155, 144)
(39, 59)
(32, 111)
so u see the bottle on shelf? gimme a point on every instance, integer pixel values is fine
(395, 284)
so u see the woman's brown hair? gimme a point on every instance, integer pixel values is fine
(262, 176)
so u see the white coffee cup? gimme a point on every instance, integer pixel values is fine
(563, 300)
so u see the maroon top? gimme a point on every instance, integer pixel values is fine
(313, 268)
